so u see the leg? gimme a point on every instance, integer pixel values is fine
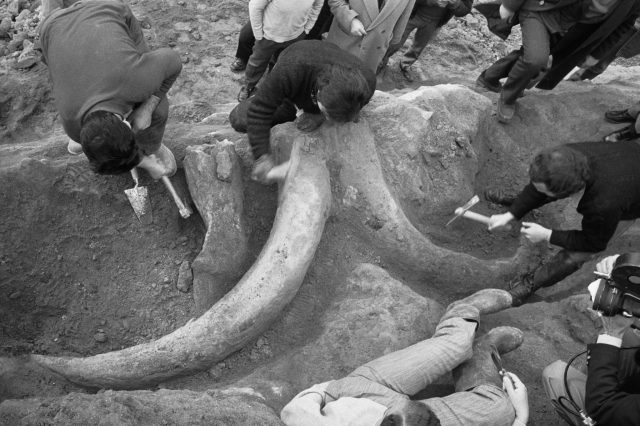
(412, 24)
(245, 43)
(424, 34)
(150, 139)
(535, 55)
(323, 23)
(501, 68)
(553, 382)
(410, 370)
(259, 60)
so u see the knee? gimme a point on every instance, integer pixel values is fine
(238, 120)
(161, 113)
(555, 369)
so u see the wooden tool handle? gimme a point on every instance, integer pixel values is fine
(185, 211)
(475, 216)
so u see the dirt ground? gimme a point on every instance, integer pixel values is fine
(80, 276)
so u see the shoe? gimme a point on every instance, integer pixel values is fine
(619, 116)
(238, 65)
(522, 290)
(483, 83)
(505, 112)
(499, 196)
(74, 147)
(505, 339)
(245, 92)
(626, 134)
(406, 73)
(487, 301)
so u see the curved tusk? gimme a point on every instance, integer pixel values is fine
(242, 314)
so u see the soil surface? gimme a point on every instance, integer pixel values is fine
(79, 275)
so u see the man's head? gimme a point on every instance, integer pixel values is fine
(109, 143)
(342, 92)
(559, 171)
(410, 413)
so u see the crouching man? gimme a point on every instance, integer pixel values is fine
(317, 77)
(109, 88)
(378, 392)
(610, 392)
(610, 178)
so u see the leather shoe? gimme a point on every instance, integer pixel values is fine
(245, 92)
(522, 290)
(238, 65)
(619, 116)
(491, 86)
(406, 73)
(487, 301)
(499, 196)
(626, 134)
(505, 112)
(505, 339)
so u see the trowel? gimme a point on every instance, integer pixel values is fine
(139, 199)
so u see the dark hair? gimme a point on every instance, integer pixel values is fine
(343, 91)
(412, 413)
(108, 143)
(563, 170)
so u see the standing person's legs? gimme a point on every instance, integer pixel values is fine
(323, 23)
(553, 382)
(424, 34)
(412, 24)
(501, 68)
(535, 56)
(246, 40)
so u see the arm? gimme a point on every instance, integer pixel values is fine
(256, 16)
(134, 30)
(314, 12)
(605, 401)
(140, 117)
(597, 230)
(401, 24)
(528, 200)
(343, 14)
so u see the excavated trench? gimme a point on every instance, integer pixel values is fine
(79, 276)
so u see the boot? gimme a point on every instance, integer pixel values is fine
(499, 196)
(522, 290)
(480, 368)
(626, 134)
(487, 301)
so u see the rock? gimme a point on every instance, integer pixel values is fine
(29, 57)
(185, 277)
(220, 203)
(231, 406)
(5, 27)
(23, 16)
(15, 295)
(13, 7)
(100, 337)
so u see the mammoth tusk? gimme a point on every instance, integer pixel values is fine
(242, 314)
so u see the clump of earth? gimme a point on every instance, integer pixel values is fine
(81, 276)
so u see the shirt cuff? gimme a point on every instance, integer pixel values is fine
(605, 339)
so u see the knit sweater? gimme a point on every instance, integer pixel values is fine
(98, 60)
(283, 20)
(294, 79)
(612, 194)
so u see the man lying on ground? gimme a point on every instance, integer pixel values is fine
(378, 392)
(609, 175)
(317, 77)
(109, 88)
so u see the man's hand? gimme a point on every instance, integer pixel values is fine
(616, 325)
(506, 13)
(605, 266)
(261, 168)
(357, 29)
(534, 232)
(518, 396)
(500, 220)
(140, 118)
(308, 122)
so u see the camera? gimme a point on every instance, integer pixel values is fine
(619, 293)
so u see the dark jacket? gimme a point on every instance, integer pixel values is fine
(294, 78)
(429, 8)
(611, 194)
(611, 400)
(590, 39)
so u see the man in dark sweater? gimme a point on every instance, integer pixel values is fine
(610, 177)
(109, 88)
(610, 392)
(317, 77)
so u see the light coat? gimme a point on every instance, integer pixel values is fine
(383, 27)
